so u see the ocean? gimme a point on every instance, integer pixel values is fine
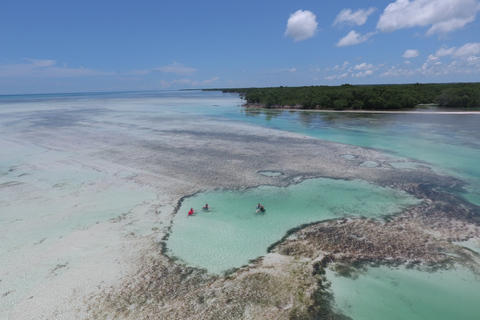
(89, 179)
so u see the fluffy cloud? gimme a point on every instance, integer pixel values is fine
(411, 53)
(363, 66)
(397, 72)
(466, 51)
(431, 65)
(442, 16)
(342, 67)
(358, 71)
(301, 25)
(465, 61)
(359, 17)
(362, 74)
(444, 51)
(353, 38)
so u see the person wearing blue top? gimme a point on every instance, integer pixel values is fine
(260, 208)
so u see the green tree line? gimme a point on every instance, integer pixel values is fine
(364, 97)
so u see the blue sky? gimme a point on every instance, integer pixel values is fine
(74, 46)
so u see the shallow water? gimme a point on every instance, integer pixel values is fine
(54, 194)
(231, 232)
(46, 197)
(399, 293)
(61, 204)
(445, 142)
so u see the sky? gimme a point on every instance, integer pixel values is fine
(55, 46)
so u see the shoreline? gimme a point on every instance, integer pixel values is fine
(358, 111)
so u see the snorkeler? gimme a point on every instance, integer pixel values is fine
(260, 208)
(191, 212)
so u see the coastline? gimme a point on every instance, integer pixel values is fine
(290, 108)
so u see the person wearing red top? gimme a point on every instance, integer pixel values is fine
(191, 212)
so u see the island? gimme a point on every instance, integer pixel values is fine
(363, 97)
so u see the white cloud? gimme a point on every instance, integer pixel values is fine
(362, 74)
(353, 38)
(468, 50)
(432, 67)
(363, 66)
(442, 16)
(342, 67)
(177, 68)
(358, 71)
(45, 69)
(465, 62)
(293, 70)
(396, 72)
(301, 25)
(411, 53)
(444, 51)
(359, 17)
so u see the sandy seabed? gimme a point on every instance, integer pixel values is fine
(88, 197)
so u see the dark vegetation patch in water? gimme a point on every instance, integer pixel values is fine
(405, 239)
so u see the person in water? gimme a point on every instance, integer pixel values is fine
(191, 212)
(260, 208)
(206, 208)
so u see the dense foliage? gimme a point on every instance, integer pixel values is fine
(365, 97)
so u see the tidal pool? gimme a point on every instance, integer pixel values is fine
(400, 293)
(231, 233)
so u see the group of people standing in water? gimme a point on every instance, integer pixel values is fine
(192, 212)
(259, 207)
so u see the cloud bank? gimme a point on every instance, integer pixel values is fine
(301, 25)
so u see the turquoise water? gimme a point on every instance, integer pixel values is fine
(63, 194)
(448, 143)
(231, 232)
(397, 294)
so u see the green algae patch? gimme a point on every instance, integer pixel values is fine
(231, 233)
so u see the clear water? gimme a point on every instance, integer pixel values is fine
(397, 294)
(231, 232)
(447, 143)
(60, 193)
